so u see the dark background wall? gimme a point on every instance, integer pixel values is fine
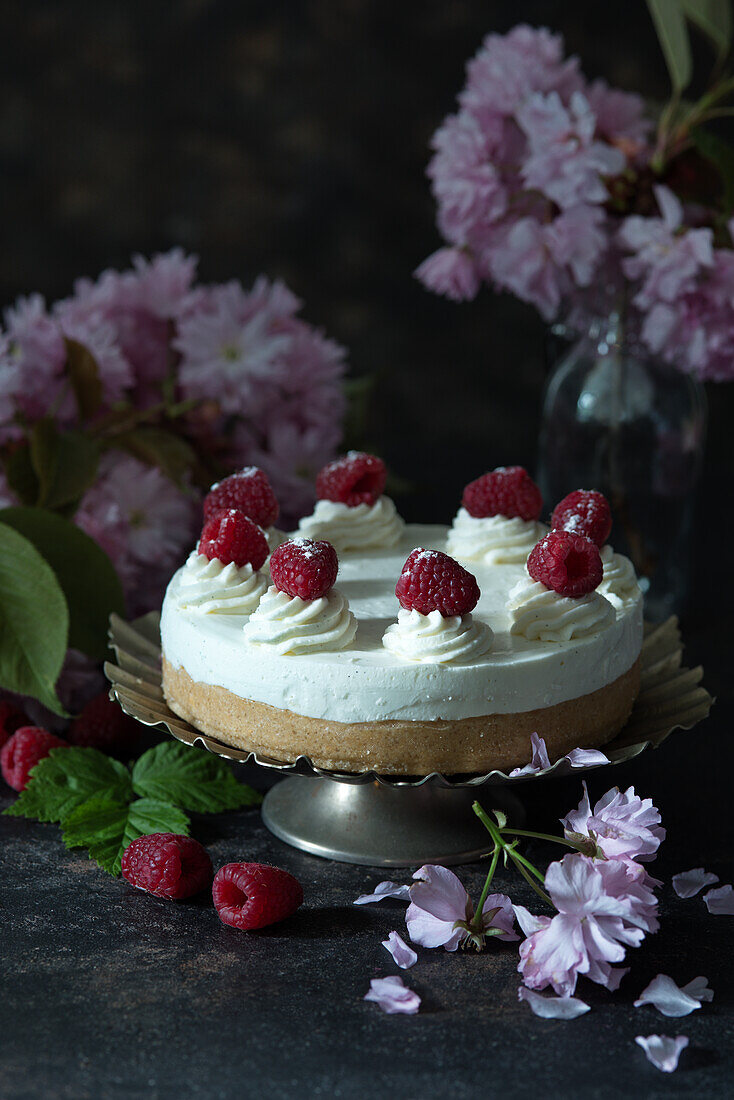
(292, 138)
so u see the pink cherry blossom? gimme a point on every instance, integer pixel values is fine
(623, 825)
(620, 116)
(440, 910)
(450, 272)
(392, 995)
(602, 910)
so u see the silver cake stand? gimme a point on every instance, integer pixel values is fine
(400, 821)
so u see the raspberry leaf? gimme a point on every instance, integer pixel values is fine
(34, 621)
(191, 778)
(67, 778)
(106, 827)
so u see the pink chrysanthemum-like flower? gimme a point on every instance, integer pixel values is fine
(623, 825)
(438, 901)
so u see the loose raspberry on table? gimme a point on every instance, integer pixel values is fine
(584, 512)
(168, 865)
(253, 895)
(11, 719)
(432, 581)
(103, 725)
(230, 536)
(569, 564)
(20, 754)
(507, 491)
(355, 478)
(304, 567)
(250, 491)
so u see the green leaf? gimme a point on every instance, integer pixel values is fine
(106, 827)
(190, 777)
(65, 464)
(83, 371)
(21, 476)
(714, 19)
(721, 154)
(160, 447)
(86, 575)
(672, 32)
(34, 621)
(66, 778)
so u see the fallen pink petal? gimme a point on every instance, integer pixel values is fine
(688, 883)
(403, 955)
(393, 996)
(662, 1050)
(384, 890)
(538, 761)
(586, 758)
(720, 902)
(674, 1000)
(552, 1008)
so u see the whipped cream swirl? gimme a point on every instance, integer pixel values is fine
(433, 639)
(210, 587)
(619, 580)
(292, 625)
(542, 615)
(364, 527)
(494, 540)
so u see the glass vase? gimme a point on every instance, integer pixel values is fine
(617, 420)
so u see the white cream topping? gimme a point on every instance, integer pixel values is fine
(495, 540)
(366, 682)
(433, 639)
(619, 581)
(209, 587)
(288, 624)
(542, 615)
(365, 527)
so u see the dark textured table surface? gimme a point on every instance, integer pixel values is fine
(110, 992)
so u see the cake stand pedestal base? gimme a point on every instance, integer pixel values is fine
(384, 826)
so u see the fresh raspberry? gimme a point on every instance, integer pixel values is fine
(11, 719)
(250, 491)
(584, 512)
(355, 478)
(22, 752)
(104, 725)
(432, 581)
(569, 564)
(507, 491)
(304, 567)
(167, 865)
(252, 895)
(230, 536)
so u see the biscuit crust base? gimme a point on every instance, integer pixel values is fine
(402, 747)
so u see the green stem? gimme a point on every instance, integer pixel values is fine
(485, 888)
(541, 893)
(541, 836)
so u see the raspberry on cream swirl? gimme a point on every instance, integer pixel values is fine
(211, 587)
(494, 540)
(358, 527)
(292, 625)
(619, 580)
(540, 614)
(434, 639)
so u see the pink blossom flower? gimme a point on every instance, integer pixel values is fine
(666, 257)
(602, 909)
(620, 116)
(402, 955)
(623, 825)
(564, 161)
(508, 68)
(674, 1000)
(38, 354)
(450, 272)
(392, 995)
(552, 1008)
(720, 902)
(440, 910)
(163, 283)
(688, 883)
(662, 1050)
